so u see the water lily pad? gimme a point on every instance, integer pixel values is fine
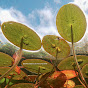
(16, 76)
(85, 71)
(69, 63)
(78, 86)
(5, 60)
(14, 32)
(23, 85)
(34, 64)
(68, 15)
(52, 43)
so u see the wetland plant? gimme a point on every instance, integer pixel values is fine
(64, 71)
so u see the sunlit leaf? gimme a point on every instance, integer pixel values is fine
(14, 32)
(69, 63)
(52, 43)
(5, 60)
(68, 15)
(34, 64)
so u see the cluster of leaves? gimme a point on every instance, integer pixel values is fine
(71, 25)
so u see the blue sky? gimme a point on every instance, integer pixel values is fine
(40, 15)
(27, 6)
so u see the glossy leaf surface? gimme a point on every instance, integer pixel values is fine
(68, 15)
(14, 32)
(5, 60)
(33, 65)
(52, 43)
(69, 63)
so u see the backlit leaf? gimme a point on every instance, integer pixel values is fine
(68, 15)
(14, 32)
(5, 60)
(69, 63)
(34, 64)
(52, 43)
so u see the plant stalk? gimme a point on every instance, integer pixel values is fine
(17, 59)
(75, 58)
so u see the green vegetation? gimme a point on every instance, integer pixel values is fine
(5, 60)
(58, 69)
(34, 64)
(68, 15)
(14, 32)
(52, 43)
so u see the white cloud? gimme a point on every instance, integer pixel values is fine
(83, 4)
(46, 21)
(5, 15)
(11, 15)
(57, 1)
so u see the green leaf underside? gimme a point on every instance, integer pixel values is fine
(68, 15)
(34, 64)
(14, 32)
(79, 86)
(16, 76)
(67, 64)
(50, 40)
(23, 85)
(85, 71)
(5, 60)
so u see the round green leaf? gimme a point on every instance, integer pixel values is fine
(16, 76)
(68, 15)
(69, 63)
(51, 43)
(85, 71)
(33, 65)
(14, 32)
(5, 60)
(23, 85)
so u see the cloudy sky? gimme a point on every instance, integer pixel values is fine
(40, 15)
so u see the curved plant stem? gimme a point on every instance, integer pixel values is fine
(81, 82)
(17, 59)
(75, 58)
